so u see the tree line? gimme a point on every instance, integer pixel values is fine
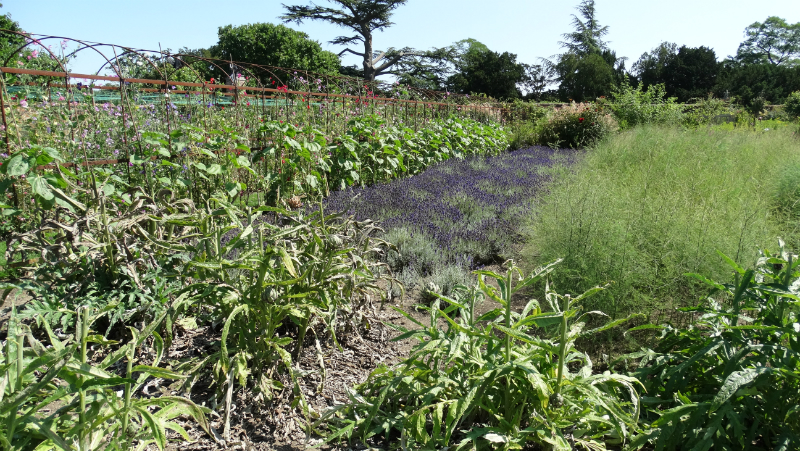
(766, 67)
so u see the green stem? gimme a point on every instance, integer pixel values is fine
(507, 298)
(562, 348)
(20, 367)
(83, 445)
(128, 374)
(301, 335)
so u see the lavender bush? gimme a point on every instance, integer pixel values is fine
(456, 216)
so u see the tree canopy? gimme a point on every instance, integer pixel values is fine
(362, 18)
(747, 82)
(774, 41)
(587, 37)
(273, 45)
(9, 42)
(686, 72)
(588, 69)
(480, 70)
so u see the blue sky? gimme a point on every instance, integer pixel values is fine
(529, 28)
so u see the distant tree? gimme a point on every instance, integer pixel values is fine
(467, 66)
(584, 78)
(482, 71)
(686, 72)
(748, 82)
(775, 41)
(588, 68)
(535, 81)
(692, 73)
(351, 71)
(587, 38)
(649, 69)
(273, 45)
(9, 41)
(363, 17)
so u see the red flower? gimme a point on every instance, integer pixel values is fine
(580, 119)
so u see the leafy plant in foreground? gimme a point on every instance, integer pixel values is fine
(272, 277)
(51, 397)
(732, 379)
(498, 380)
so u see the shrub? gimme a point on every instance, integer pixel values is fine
(792, 105)
(703, 111)
(576, 126)
(637, 106)
(522, 135)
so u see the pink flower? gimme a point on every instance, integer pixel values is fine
(35, 53)
(61, 98)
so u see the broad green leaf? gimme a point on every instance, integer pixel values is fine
(17, 165)
(287, 262)
(734, 381)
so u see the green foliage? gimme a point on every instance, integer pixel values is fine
(502, 379)
(774, 41)
(99, 254)
(685, 72)
(370, 151)
(92, 412)
(747, 81)
(9, 42)
(786, 196)
(479, 70)
(588, 69)
(587, 36)
(703, 111)
(792, 105)
(731, 379)
(585, 78)
(638, 106)
(651, 204)
(259, 276)
(274, 45)
(576, 126)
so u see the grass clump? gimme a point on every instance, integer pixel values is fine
(652, 204)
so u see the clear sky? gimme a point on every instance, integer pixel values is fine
(529, 28)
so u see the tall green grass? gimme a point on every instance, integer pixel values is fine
(651, 204)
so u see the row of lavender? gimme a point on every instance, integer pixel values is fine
(456, 216)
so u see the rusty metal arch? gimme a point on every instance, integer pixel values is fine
(32, 41)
